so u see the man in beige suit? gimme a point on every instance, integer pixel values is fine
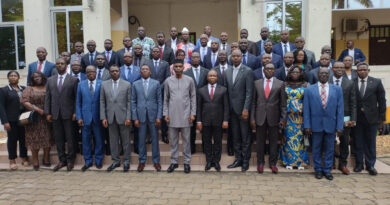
(268, 114)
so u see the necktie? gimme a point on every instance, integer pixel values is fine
(161, 53)
(361, 90)
(235, 71)
(244, 59)
(108, 56)
(128, 73)
(76, 75)
(285, 49)
(224, 47)
(91, 58)
(128, 50)
(156, 66)
(146, 87)
(337, 82)
(262, 47)
(100, 74)
(91, 88)
(267, 89)
(197, 76)
(60, 84)
(40, 67)
(213, 59)
(223, 72)
(212, 92)
(323, 95)
(203, 53)
(115, 88)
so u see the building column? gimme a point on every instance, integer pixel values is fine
(252, 18)
(37, 29)
(318, 24)
(119, 22)
(96, 22)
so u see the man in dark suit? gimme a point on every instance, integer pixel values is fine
(350, 73)
(252, 47)
(300, 44)
(224, 44)
(247, 58)
(268, 113)
(88, 117)
(42, 65)
(323, 116)
(89, 57)
(259, 72)
(312, 75)
(166, 52)
(76, 71)
(60, 109)
(111, 56)
(222, 67)
(211, 58)
(203, 49)
(128, 47)
(357, 54)
(239, 82)
(371, 112)
(102, 72)
(284, 46)
(212, 116)
(325, 50)
(288, 60)
(276, 59)
(199, 75)
(349, 99)
(138, 58)
(264, 32)
(174, 40)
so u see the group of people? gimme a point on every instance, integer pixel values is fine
(277, 90)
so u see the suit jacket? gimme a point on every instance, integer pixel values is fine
(271, 110)
(279, 50)
(349, 97)
(135, 74)
(168, 55)
(354, 74)
(212, 112)
(258, 74)
(252, 61)
(61, 103)
(47, 70)
(207, 61)
(198, 50)
(114, 59)
(311, 58)
(87, 106)
(141, 62)
(227, 48)
(120, 54)
(276, 60)
(86, 62)
(253, 49)
(202, 77)
(81, 76)
(115, 106)
(317, 118)
(258, 44)
(212, 38)
(221, 79)
(281, 73)
(150, 105)
(317, 64)
(106, 74)
(312, 76)
(240, 91)
(358, 54)
(161, 73)
(373, 104)
(10, 107)
(169, 43)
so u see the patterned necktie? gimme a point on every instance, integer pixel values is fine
(60, 84)
(267, 89)
(197, 75)
(244, 59)
(212, 92)
(91, 90)
(361, 90)
(323, 95)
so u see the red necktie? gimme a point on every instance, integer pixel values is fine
(212, 92)
(161, 53)
(40, 67)
(267, 89)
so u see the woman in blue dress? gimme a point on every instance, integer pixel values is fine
(293, 152)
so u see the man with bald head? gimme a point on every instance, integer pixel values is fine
(312, 75)
(174, 40)
(284, 46)
(207, 30)
(147, 43)
(264, 33)
(325, 50)
(89, 57)
(300, 44)
(42, 65)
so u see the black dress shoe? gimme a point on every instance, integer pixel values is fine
(85, 167)
(148, 141)
(136, 151)
(235, 164)
(113, 166)
(245, 166)
(208, 166)
(187, 168)
(59, 166)
(319, 175)
(357, 169)
(165, 139)
(217, 166)
(126, 167)
(230, 152)
(99, 166)
(172, 168)
(328, 176)
(373, 172)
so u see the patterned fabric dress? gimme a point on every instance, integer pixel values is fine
(38, 135)
(293, 152)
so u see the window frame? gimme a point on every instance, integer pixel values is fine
(349, 9)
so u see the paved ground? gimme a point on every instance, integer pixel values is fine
(46, 187)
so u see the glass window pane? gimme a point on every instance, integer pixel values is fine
(68, 2)
(76, 28)
(12, 10)
(21, 51)
(7, 48)
(294, 19)
(338, 4)
(274, 20)
(60, 19)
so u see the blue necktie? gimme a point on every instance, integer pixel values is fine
(197, 76)
(156, 66)
(262, 47)
(128, 73)
(285, 49)
(100, 74)
(244, 59)
(91, 58)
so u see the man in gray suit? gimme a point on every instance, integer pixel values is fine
(349, 96)
(268, 112)
(115, 113)
(224, 45)
(179, 111)
(300, 44)
(239, 82)
(60, 109)
(102, 72)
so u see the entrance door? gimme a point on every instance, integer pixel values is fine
(67, 29)
(380, 45)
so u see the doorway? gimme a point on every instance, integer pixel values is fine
(379, 45)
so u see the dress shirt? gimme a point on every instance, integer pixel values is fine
(326, 90)
(216, 57)
(127, 70)
(68, 69)
(102, 72)
(360, 83)
(221, 46)
(203, 52)
(235, 71)
(43, 66)
(93, 84)
(194, 71)
(340, 80)
(117, 82)
(94, 56)
(156, 61)
(286, 69)
(209, 86)
(223, 67)
(63, 78)
(173, 44)
(270, 83)
(288, 47)
(78, 75)
(351, 52)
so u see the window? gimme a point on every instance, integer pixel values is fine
(360, 4)
(68, 2)
(284, 14)
(12, 54)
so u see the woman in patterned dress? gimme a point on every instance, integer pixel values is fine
(293, 152)
(38, 135)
